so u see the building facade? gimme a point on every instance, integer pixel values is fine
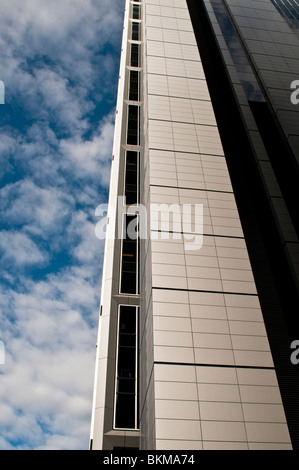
(200, 279)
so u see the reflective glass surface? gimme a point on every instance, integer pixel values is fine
(289, 10)
(238, 54)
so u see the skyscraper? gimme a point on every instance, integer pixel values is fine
(199, 308)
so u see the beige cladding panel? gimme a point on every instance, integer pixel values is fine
(209, 338)
(218, 408)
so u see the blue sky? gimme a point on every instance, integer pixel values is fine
(59, 62)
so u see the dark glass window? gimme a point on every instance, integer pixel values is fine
(128, 282)
(133, 125)
(134, 55)
(238, 54)
(126, 385)
(134, 85)
(135, 31)
(289, 10)
(136, 12)
(131, 177)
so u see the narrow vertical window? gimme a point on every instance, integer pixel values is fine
(135, 31)
(134, 85)
(136, 12)
(134, 62)
(133, 125)
(126, 392)
(129, 256)
(132, 178)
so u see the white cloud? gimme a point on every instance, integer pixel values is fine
(48, 45)
(50, 355)
(18, 248)
(57, 71)
(91, 158)
(39, 210)
(63, 103)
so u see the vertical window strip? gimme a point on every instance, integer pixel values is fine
(129, 282)
(126, 399)
(134, 59)
(133, 125)
(131, 185)
(136, 12)
(134, 85)
(126, 383)
(135, 35)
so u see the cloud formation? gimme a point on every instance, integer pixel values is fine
(60, 69)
